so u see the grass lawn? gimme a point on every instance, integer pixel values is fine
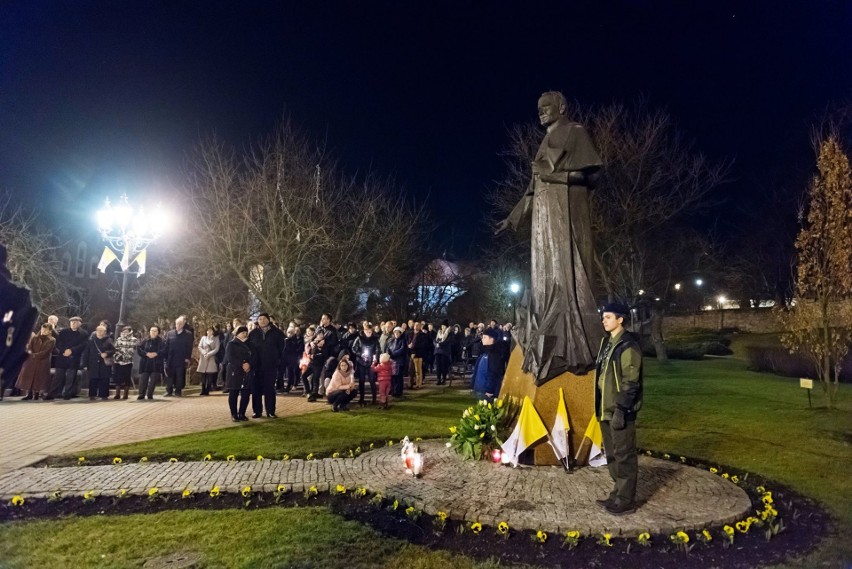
(712, 409)
(322, 433)
(309, 538)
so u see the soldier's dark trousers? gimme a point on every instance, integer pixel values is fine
(622, 461)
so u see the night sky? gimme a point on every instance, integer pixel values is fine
(102, 97)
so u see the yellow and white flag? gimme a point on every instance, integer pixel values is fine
(107, 258)
(140, 260)
(561, 428)
(529, 429)
(594, 438)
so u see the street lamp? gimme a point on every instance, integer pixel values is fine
(699, 282)
(515, 288)
(128, 231)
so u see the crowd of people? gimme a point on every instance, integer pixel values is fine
(257, 360)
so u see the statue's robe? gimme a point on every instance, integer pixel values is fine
(559, 326)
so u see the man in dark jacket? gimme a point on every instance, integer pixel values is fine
(294, 346)
(618, 397)
(325, 346)
(179, 344)
(69, 347)
(348, 339)
(267, 344)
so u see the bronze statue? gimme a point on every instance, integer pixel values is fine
(558, 322)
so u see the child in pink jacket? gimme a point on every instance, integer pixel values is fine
(383, 371)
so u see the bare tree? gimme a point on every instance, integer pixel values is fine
(32, 256)
(280, 224)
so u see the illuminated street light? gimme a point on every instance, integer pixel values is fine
(721, 300)
(128, 232)
(699, 282)
(677, 286)
(515, 288)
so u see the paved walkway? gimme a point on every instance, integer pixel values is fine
(675, 496)
(33, 430)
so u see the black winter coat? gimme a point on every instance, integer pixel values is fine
(68, 339)
(294, 347)
(91, 358)
(422, 343)
(329, 348)
(366, 349)
(179, 348)
(266, 349)
(151, 365)
(238, 353)
(398, 350)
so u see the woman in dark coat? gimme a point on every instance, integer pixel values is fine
(35, 373)
(152, 352)
(238, 377)
(97, 358)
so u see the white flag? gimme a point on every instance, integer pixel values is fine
(561, 428)
(107, 258)
(528, 430)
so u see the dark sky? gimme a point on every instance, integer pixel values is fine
(99, 97)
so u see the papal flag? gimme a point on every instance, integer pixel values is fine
(593, 438)
(559, 433)
(107, 258)
(529, 429)
(140, 260)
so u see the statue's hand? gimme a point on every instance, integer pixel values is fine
(501, 227)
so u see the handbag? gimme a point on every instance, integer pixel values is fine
(108, 361)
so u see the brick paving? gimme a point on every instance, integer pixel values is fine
(33, 430)
(674, 496)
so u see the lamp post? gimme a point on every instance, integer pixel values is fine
(128, 231)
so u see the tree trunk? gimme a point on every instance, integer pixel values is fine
(657, 334)
(826, 358)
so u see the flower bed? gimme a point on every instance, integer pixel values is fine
(745, 544)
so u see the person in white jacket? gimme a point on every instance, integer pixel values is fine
(208, 347)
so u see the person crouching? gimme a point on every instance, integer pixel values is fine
(384, 372)
(342, 388)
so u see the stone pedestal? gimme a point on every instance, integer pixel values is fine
(579, 399)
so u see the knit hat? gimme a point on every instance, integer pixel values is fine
(240, 330)
(397, 329)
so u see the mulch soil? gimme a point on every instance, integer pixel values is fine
(805, 524)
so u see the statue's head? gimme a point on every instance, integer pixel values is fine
(551, 106)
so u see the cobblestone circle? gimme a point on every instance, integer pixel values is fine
(673, 496)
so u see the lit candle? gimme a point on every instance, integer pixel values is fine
(497, 455)
(417, 463)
